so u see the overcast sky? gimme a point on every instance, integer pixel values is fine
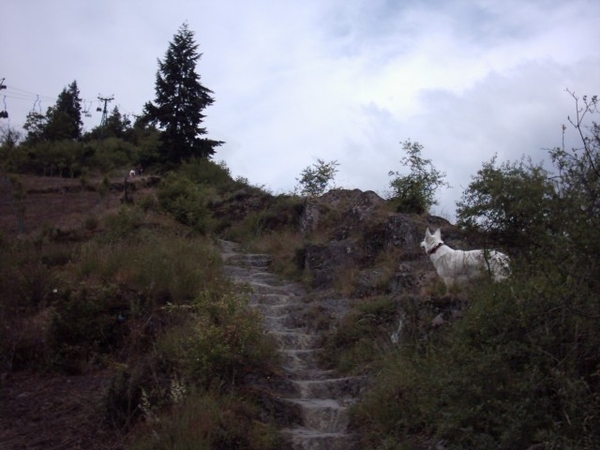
(344, 80)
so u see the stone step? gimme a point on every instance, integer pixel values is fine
(299, 359)
(260, 287)
(273, 299)
(275, 310)
(321, 398)
(324, 415)
(298, 374)
(292, 340)
(257, 261)
(306, 439)
(346, 388)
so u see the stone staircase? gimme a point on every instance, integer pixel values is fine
(321, 397)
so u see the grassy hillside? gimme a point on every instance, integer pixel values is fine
(129, 300)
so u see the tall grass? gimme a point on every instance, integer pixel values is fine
(161, 268)
(208, 420)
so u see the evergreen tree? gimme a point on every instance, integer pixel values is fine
(64, 118)
(62, 121)
(117, 125)
(180, 101)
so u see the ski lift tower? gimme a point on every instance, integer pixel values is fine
(106, 101)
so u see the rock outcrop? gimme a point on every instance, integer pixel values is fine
(355, 232)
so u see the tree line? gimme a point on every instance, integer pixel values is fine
(168, 131)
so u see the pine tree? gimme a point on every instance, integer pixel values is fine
(180, 101)
(117, 125)
(64, 118)
(62, 121)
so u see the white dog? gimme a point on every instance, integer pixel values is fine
(457, 267)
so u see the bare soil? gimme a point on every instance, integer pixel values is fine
(55, 412)
(49, 411)
(54, 202)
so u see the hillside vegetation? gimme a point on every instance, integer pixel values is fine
(112, 290)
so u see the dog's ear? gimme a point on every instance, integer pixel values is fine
(427, 232)
(438, 234)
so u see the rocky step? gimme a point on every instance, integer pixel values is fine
(347, 388)
(323, 414)
(280, 310)
(307, 439)
(257, 261)
(294, 340)
(320, 398)
(261, 287)
(299, 359)
(272, 299)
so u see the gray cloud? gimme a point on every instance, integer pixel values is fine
(345, 80)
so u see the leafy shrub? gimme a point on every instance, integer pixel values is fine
(110, 153)
(314, 180)
(86, 324)
(148, 203)
(203, 171)
(415, 192)
(520, 367)
(184, 200)
(123, 224)
(511, 203)
(222, 342)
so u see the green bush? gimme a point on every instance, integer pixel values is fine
(123, 224)
(203, 171)
(221, 344)
(86, 324)
(316, 179)
(185, 201)
(520, 367)
(415, 192)
(361, 336)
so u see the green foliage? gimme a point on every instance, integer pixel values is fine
(557, 214)
(314, 180)
(283, 213)
(109, 154)
(69, 158)
(521, 365)
(11, 157)
(117, 126)
(511, 202)
(61, 122)
(180, 102)
(147, 140)
(209, 420)
(518, 368)
(28, 282)
(147, 300)
(159, 269)
(122, 225)
(577, 208)
(86, 324)
(356, 343)
(222, 342)
(185, 201)
(415, 192)
(203, 171)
